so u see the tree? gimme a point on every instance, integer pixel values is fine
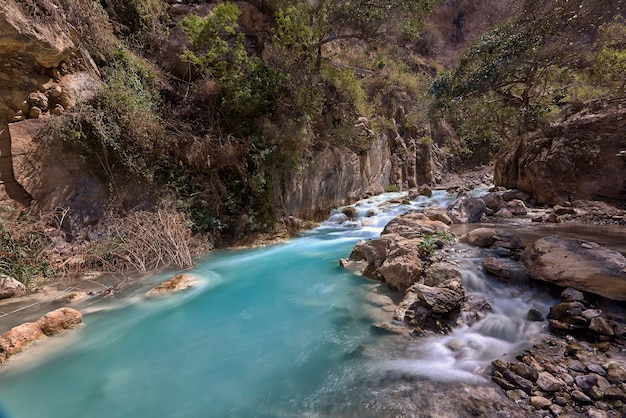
(517, 72)
(304, 27)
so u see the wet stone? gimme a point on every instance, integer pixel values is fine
(601, 325)
(539, 402)
(613, 392)
(586, 382)
(596, 368)
(549, 383)
(534, 315)
(561, 401)
(572, 295)
(616, 373)
(580, 397)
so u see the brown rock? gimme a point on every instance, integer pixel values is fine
(567, 263)
(616, 373)
(539, 402)
(370, 251)
(18, 338)
(505, 269)
(401, 270)
(600, 325)
(517, 207)
(59, 320)
(466, 210)
(493, 201)
(437, 213)
(480, 237)
(549, 383)
(414, 225)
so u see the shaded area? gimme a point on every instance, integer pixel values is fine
(7, 177)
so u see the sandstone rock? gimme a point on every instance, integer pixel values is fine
(565, 310)
(550, 165)
(514, 194)
(350, 212)
(35, 112)
(442, 299)
(517, 207)
(570, 295)
(504, 213)
(562, 210)
(425, 191)
(175, 284)
(466, 210)
(549, 383)
(21, 336)
(616, 373)
(10, 287)
(401, 270)
(566, 263)
(493, 201)
(373, 251)
(539, 402)
(600, 325)
(18, 338)
(59, 320)
(440, 272)
(437, 213)
(414, 225)
(480, 237)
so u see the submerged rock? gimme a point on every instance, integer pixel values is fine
(175, 284)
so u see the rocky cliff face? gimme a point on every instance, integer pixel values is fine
(332, 178)
(581, 157)
(44, 72)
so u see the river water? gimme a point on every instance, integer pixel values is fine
(280, 331)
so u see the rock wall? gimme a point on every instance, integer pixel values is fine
(333, 177)
(44, 72)
(583, 156)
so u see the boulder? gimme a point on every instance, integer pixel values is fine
(400, 270)
(21, 336)
(442, 299)
(466, 210)
(10, 287)
(175, 284)
(437, 213)
(373, 251)
(480, 237)
(414, 225)
(493, 201)
(59, 320)
(18, 338)
(517, 207)
(582, 265)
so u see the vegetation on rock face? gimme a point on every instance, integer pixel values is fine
(522, 71)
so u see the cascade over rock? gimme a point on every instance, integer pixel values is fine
(582, 156)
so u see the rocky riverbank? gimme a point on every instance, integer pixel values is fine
(578, 368)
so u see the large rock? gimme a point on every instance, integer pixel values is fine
(403, 265)
(59, 320)
(466, 210)
(582, 265)
(20, 337)
(373, 251)
(414, 225)
(577, 158)
(10, 287)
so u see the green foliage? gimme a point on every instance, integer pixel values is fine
(119, 133)
(431, 242)
(217, 49)
(22, 253)
(609, 68)
(515, 76)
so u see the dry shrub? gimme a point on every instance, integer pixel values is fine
(147, 241)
